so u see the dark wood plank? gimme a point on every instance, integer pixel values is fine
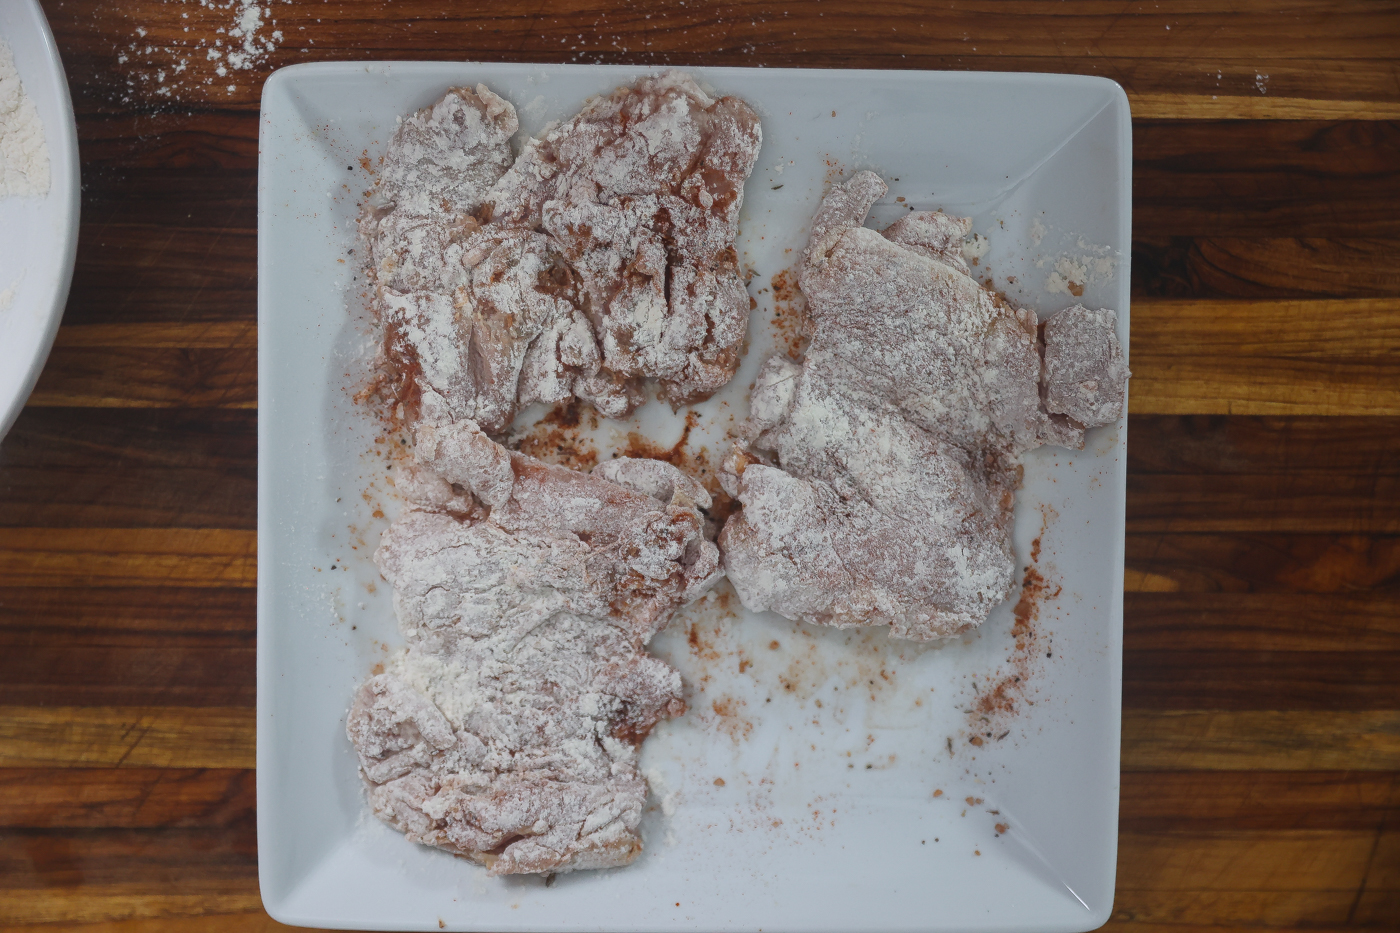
(154, 196)
(42, 667)
(1194, 357)
(1214, 679)
(1282, 267)
(183, 861)
(1262, 622)
(1287, 503)
(1205, 52)
(201, 143)
(1196, 445)
(1298, 503)
(153, 612)
(153, 272)
(1266, 179)
(168, 244)
(1262, 563)
(128, 468)
(1195, 801)
(125, 798)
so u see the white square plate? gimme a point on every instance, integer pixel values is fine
(823, 780)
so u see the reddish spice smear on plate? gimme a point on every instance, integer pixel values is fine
(1005, 696)
(695, 462)
(789, 314)
(558, 437)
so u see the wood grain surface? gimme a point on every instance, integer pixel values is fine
(1261, 731)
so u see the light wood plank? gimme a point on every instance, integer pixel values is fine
(114, 902)
(1329, 357)
(1319, 329)
(220, 737)
(205, 334)
(1249, 357)
(250, 921)
(148, 377)
(1168, 106)
(127, 557)
(131, 737)
(1260, 740)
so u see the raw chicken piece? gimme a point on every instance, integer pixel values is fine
(879, 481)
(604, 256)
(508, 730)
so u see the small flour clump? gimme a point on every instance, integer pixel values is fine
(24, 156)
(1071, 274)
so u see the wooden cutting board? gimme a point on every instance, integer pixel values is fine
(1261, 733)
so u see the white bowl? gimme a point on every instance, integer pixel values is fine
(827, 818)
(38, 235)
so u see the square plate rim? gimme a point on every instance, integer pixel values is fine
(285, 78)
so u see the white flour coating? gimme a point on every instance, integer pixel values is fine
(24, 155)
(879, 479)
(507, 731)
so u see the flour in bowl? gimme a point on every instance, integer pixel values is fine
(24, 156)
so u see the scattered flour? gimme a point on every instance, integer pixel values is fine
(1037, 232)
(248, 20)
(1071, 274)
(24, 156)
(222, 36)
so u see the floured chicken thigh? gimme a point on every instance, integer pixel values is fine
(603, 257)
(437, 171)
(508, 730)
(641, 193)
(879, 477)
